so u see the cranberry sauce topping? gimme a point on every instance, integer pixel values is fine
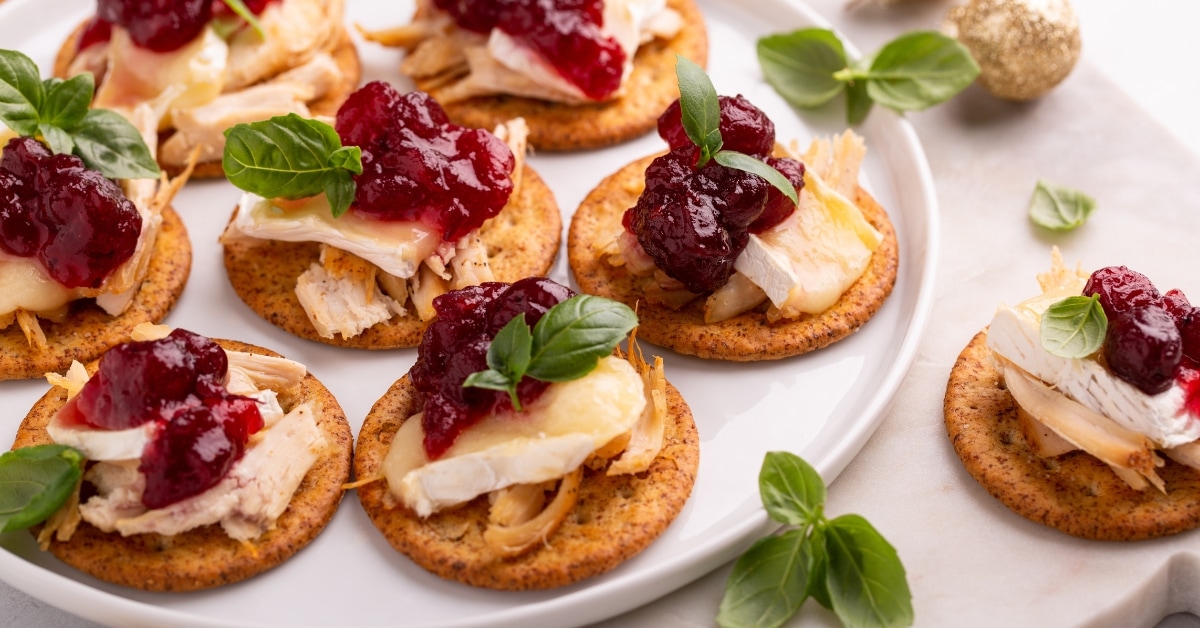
(419, 166)
(1153, 339)
(159, 25)
(694, 222)
(177, 381)
(76, 223)
(566, 33)
(456, 344)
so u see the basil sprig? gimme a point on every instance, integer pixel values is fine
(917, 70)
(1059, 208)
(1074, 327)
(241, 10)
(565, 344)
(57, 111)
(292, 157)
(35, 482)
(700, 112)
(844, 563)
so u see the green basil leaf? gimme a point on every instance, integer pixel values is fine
(21, 92)
(348, 158)
(858, 103)
(769, 582)
(490, 379)
(67, 102)
(792, 491)
(800, 65)
(107, 142)
(339, 191)
(1059, 208)
(1074, 327)
(867, 583)
(699, 109)
(918, 70)
(512, 347)
(744, 162)
(818, 568)
(59, 140)
(573, 335)
(241, 10)
(290, 157)
(35, 482)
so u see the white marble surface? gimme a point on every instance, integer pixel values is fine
(1122, 128)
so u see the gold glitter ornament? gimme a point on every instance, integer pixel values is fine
(1023, 47)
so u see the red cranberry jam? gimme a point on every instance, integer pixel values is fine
(76, 223)
(566, 33)
(1153, 339)
(159, 25)
(177, 381)
(419, 166)
(694, 222)
(456, 345)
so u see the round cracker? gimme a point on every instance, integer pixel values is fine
(88, 331)
(615, 518)
(344, 54)
(522, 241)
(1075, 492)
(649, 90)
(206, 557)
(744, 338)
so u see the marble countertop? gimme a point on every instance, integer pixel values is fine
(1121, 128)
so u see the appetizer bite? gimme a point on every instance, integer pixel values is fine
(89, 244)
(481, 470)
(347, 236)
(1078, 407)
(204, 462)
(582, 74)
(710, 242)
(210, 64)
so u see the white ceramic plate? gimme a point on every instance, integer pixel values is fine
(822, 406)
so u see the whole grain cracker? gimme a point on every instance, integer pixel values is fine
(615, 518)
(344, 54)
(522, 241)
(649, 90)
(1075, 492)
(743, 338)
(88, 330)
(206, 557)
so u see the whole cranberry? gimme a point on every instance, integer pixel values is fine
(1120, 290)
(159, 25)
(778, 207)
(1143, 347)
(744, 127)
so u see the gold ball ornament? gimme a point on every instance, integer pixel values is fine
(1024, 47)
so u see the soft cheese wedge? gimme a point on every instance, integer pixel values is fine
(550, 439)
(807, 262)
(396, 247)
(1014, 336)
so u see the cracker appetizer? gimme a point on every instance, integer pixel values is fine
(582, 74)
(89, 244)
(211, 64)
(203, 462)
(352, 248)
(481, 470)
(710, 241)
(1078, 407)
